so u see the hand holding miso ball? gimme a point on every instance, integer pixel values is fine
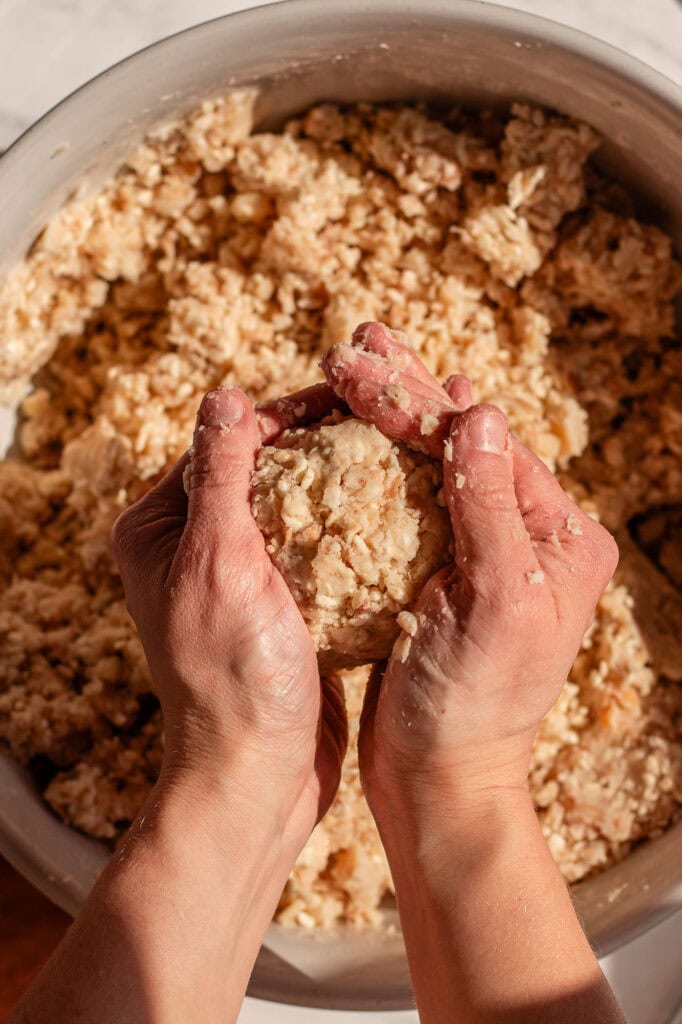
(498, 580)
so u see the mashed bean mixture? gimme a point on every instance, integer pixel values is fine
(217, 255)
(356, 524)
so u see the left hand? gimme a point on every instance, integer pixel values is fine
(231, 658)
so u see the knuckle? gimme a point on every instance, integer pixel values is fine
(600, 553)
(608, 553)
(514, 604)
(223, 560)
(500, 591)
(218, 468)
(487, 490)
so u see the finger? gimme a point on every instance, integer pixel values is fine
(541, 497)
(564, 535)
(491, 540)
(459, 391)
(400, 406)
(307, 406)
(219, 477)
(387, 344)
(382, 341)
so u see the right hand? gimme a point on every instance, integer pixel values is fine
(497, 632)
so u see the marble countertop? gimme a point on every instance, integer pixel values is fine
(50, 47)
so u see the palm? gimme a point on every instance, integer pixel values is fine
(307, 713)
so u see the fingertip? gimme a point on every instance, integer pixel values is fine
(335, 364)
(223, 408)
(364, 330)
(225, 441)
(479, 485)
(459, 390)
(485, 428)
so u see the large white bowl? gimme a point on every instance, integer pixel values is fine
(300, 52)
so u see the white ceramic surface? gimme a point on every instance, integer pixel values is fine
(48, 47)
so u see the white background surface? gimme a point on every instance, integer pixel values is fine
(50, 47)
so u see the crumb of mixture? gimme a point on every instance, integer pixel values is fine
(402, 648)
(573, 525)
(535, 576)
(352, 524)
(217, 255)
(428, 424)
(407, 622)
(398, 396)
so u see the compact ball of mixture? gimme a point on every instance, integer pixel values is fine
(356, 525)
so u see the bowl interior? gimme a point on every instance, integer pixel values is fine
(300, 53)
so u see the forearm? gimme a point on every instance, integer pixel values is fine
(489, 927)
(172, 929)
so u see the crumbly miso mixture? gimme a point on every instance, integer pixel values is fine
(356, 525)
(217, 255)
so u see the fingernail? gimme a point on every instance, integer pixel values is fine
(220, 408)
(488, 432)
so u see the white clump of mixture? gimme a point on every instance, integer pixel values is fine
(352, 523)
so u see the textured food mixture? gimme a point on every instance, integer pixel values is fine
(217, 255)
(356, 525)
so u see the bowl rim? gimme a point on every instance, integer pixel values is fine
(16, 845)
(481, 12)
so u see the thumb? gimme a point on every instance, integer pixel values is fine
(490, 535)
(218, 477)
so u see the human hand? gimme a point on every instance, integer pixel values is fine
(231, 658)
(494, 635)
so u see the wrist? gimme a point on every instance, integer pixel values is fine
(432, 847)
(468, 817)
(235, 803)
(191, 889)
(194, 839)
(234, 777)
(461, 784)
